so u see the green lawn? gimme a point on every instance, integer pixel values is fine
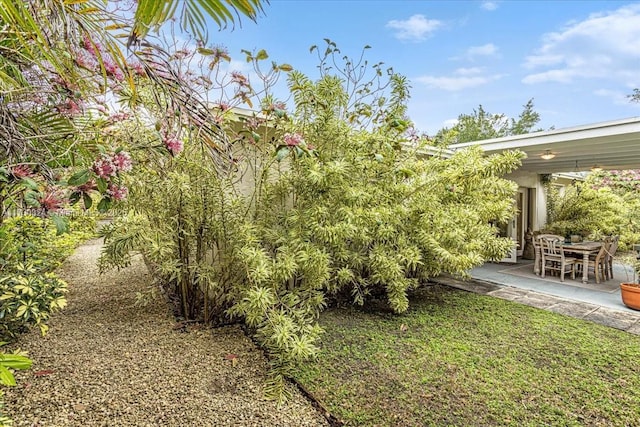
(463, 359)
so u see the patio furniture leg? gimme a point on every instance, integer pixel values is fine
(585, 267)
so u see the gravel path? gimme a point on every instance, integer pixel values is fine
(106, 362)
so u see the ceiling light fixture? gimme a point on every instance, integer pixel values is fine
(548, 155)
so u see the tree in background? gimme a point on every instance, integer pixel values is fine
(482, 125)
(606, 203)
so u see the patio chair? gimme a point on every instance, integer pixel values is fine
(553, 258)
(598, 263)
(609, 256)
(537, 263)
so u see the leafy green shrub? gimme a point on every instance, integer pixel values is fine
(36, 240)
(332, 201)
(8, 363)
(83, 223)
(630, 233)
(30, 248)
(387, 216)
(25, 236)
(27, 298)
(586, 211)
(626, 184)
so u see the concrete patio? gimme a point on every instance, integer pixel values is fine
(599, 303)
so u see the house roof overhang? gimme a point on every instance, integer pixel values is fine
(608, 145)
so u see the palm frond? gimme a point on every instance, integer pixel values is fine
(39, 44)
(176, 95)
(12, 143)
(153, 13)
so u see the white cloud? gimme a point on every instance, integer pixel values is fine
(449, 123)
(489, 5)
(488, 49)
(452, 83)
(534, 61)
(474, 52)
(604, 46)
(468, 71)
(617, 97)
(416, 28)
(239, 66)
(462, 78)
(560, 76)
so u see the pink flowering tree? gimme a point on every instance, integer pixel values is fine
(621, 181)
(66, 62)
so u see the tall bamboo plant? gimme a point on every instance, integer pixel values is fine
(332, 200)
(586, 211)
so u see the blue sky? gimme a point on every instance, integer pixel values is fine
(577, 59)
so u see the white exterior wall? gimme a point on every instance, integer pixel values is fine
(538, 202)
(538, 197)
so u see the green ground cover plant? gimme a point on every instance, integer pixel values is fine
(30, 249)
(457, 358)
(8, 364)
(34, 240)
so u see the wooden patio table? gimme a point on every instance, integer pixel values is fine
(586, 249)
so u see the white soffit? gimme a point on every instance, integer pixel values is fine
(609, 145)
